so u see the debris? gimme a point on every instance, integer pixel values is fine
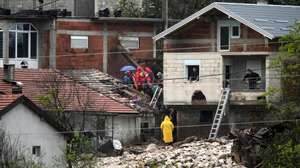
(151, 147)
(248, 143)
(195, 153)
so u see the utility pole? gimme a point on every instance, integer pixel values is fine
(165, 12)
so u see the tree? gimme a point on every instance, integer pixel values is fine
(59, 94)
(129, 8)
(12, 154)
(152, 8)
(284, 150)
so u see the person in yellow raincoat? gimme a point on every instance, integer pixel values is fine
(167, 128)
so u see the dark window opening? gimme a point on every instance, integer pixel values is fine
(36, 150)
(206, 116)
(193, 72)
(22, 45)
(1, 44)
(224, 35)
(12, 42)
(227, 75)
(33, 45)
(235, 31)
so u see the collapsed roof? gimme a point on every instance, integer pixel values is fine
(73, 96)
(111, 87)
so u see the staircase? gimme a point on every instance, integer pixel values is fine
(219, 113)
(155, 97)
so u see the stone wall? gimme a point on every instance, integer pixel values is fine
(178, 90)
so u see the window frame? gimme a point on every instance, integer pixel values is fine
(36, 150)
(79, 37)
(14, 29)
(188, 63)
(130, 38)
(239, 30)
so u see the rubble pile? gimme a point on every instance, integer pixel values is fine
(249, 143)
(202, 153)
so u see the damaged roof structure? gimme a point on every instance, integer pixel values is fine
(111, 87)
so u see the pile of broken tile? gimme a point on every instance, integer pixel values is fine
(201, 153)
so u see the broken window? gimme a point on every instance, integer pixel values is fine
(36, 151)
(193, 72)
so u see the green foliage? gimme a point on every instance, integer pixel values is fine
(152, 8)
(12, 154)
(284, 151)
(289, 61)
(129, 8)
(78, 152)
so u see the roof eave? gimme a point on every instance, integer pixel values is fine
(206, 9)
(184, 22)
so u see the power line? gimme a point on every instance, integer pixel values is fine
(151, 128)
(162, 50)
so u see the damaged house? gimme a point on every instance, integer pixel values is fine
(214, 49)
(85, 109)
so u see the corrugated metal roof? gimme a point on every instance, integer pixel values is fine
(275, 19)
(270, 20)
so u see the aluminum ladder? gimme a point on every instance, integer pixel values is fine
(219, 113)
(155, 97)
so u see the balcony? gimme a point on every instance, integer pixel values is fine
(245, 75)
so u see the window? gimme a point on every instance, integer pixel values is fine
(79, 42)
(224, 38)
(206, 116)
(23, 40)
(192, 69)
(1, 43)
(193, 72)
(130, 42)
(36, 151)
(235, 31)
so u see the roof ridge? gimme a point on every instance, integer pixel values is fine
(255, 4)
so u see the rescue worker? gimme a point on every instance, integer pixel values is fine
(167, 128)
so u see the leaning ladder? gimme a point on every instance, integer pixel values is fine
(219, 113)
(155, 97)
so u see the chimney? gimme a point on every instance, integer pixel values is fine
(9, 72)
(262, 2)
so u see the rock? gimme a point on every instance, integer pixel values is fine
(200, 153)
(151, 147)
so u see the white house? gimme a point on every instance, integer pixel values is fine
(34, 131)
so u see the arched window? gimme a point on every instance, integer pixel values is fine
(23, 40)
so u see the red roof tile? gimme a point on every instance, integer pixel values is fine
(73, 96)
(6, 100)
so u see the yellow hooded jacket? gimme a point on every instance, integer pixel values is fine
(167, 128)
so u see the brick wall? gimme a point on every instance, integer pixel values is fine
(201, 36)
(68, 58)
(46, 50)
(94, 30)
